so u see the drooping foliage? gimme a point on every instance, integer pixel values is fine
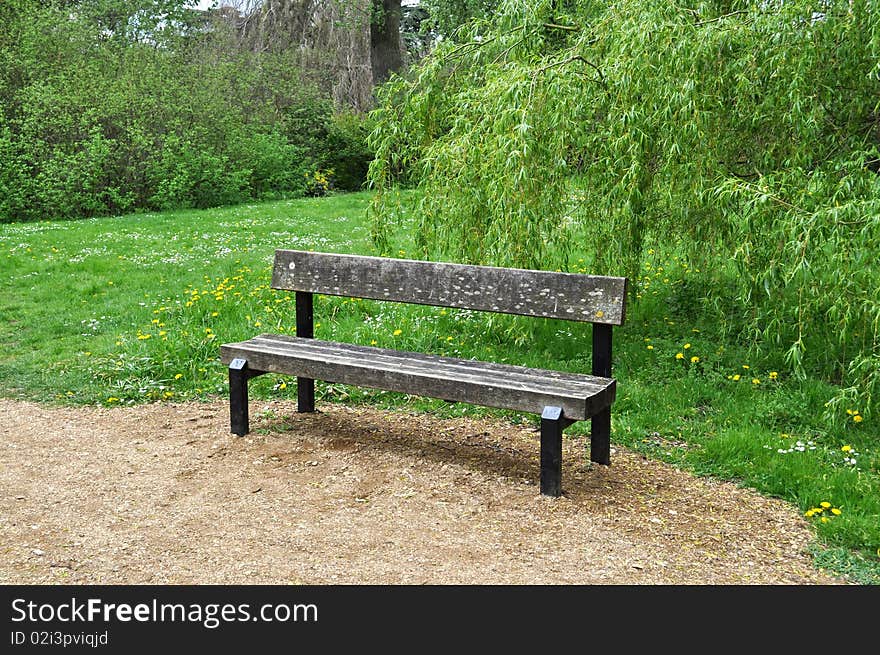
(745, 135)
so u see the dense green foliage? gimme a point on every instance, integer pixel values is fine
(132, 309)
(743, 132)
(109, 106)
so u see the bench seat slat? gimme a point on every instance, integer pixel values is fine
(417, 362)
(485, 383)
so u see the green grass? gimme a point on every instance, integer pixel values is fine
(133, 309)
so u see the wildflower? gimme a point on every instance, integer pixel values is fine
(835, 511)
(773, 375)
(143, 337)
(373, 342)
(824, 519)
(746, 366)
(397, 333)
(736, 378)
(694, 360)
(825, 504)
(857, 418)
(846, 448)
(679, 355)
(112, 399)
(756, 381)
(809, 513)
(686, 346)
(178, 376)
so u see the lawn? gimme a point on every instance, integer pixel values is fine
(133, 309)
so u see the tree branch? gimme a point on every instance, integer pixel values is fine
(563, 62)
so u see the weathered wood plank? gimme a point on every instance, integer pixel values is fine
(418, 362)
(587, 298)
(482, 383)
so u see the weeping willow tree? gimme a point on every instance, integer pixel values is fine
(744, 134)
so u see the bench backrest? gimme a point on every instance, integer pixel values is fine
(587, 298)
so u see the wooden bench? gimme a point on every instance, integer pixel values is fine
(560, 398)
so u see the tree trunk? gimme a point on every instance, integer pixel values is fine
(386, 54)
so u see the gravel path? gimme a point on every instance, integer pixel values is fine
(163, 494)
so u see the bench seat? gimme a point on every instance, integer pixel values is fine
(448, 378)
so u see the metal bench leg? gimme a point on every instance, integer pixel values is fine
(305, 328)
(305, 395)
(600, 437)
(238, 397)
(552, 425)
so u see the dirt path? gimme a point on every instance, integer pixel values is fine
(160, 494)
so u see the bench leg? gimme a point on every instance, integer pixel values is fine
(600, 437)
(305, 395)
(238, 397)
(552, 425)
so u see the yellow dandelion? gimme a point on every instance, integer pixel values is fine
(694, 360)
(773, 375)
(857, 418)
(824, 519)
(178, 376)
(846, 448)
(835, 511)
(686, 346)
(746, 366)
(736, 377)
(373, 342)
(756, 381)
(650, 347)
(679, 355)
(397, 333)
(825, 504)
(809, 513)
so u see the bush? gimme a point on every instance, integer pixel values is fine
(346, 151)
(96, 123)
